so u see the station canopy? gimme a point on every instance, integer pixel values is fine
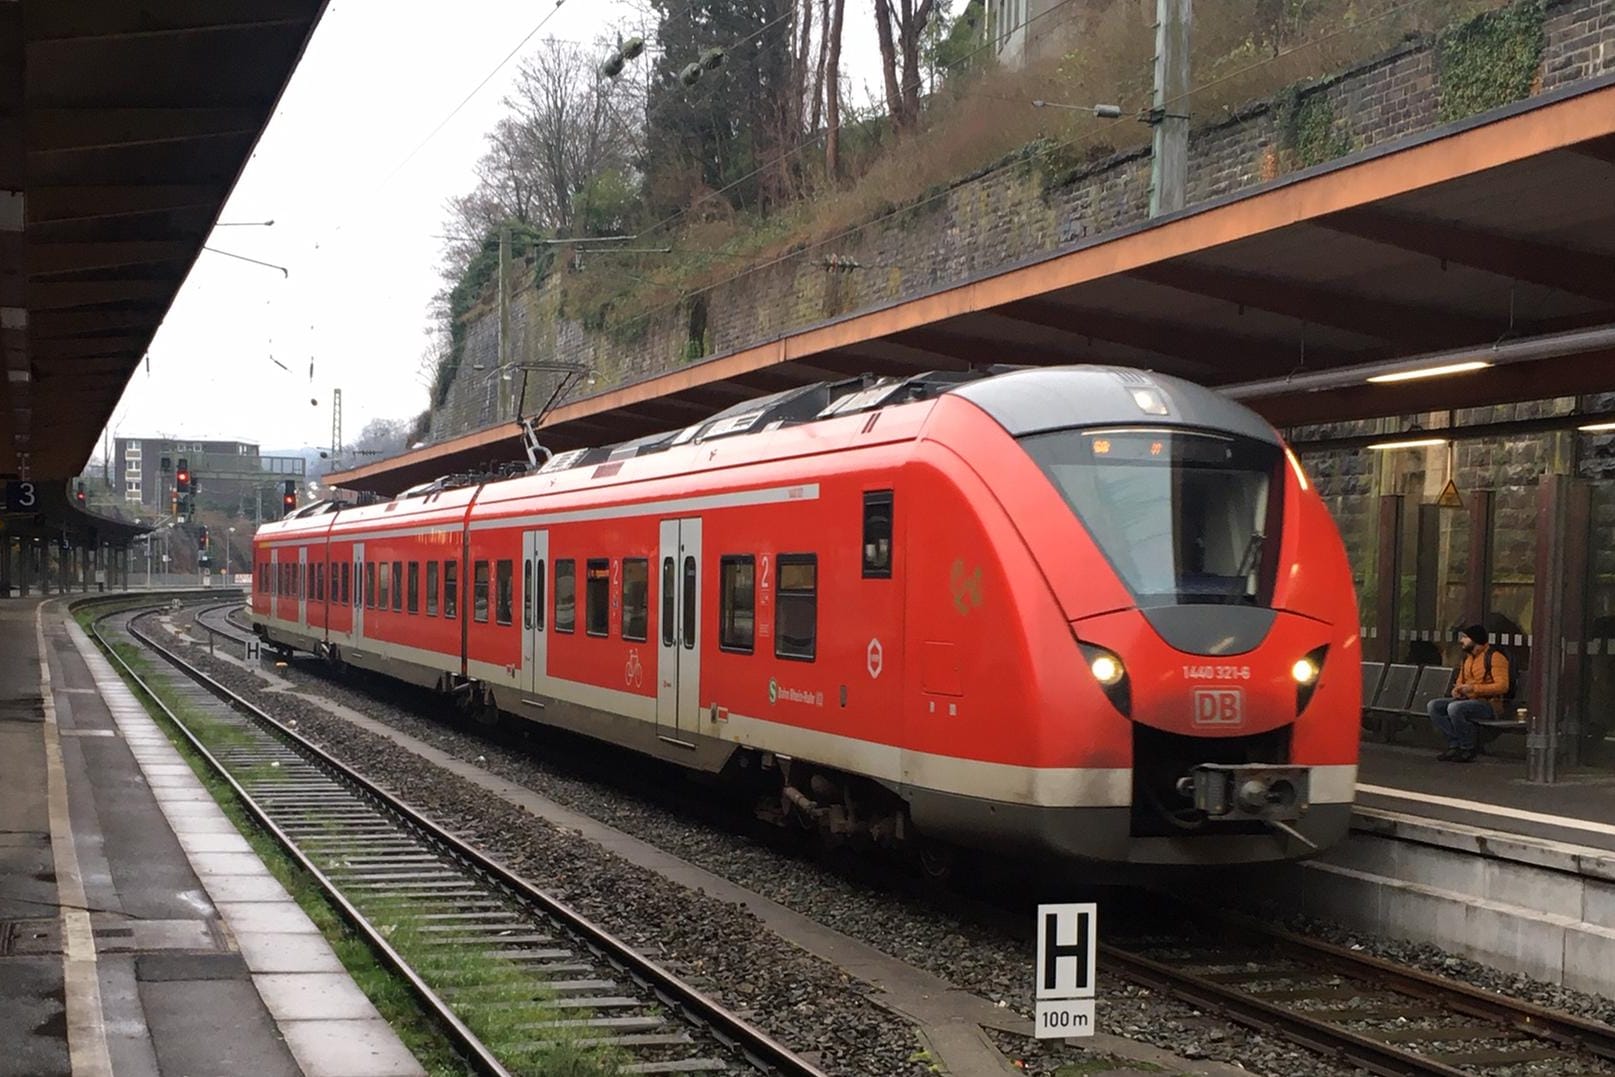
(1489, 241)
(123, 128)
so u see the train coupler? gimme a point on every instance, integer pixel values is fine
(1248, 791)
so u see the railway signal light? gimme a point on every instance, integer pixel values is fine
(182, 478)
(288, 499)
(201, 538)
(78, 493)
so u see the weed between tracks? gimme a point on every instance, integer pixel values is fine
(508, 1007)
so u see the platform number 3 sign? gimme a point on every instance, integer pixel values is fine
(21, 496)
(1067, 951)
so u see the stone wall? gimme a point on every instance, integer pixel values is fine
(1023, 208)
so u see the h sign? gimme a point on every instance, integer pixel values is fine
(1067, 953)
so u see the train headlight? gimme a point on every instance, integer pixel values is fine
(1107, 669)
(1306, 672)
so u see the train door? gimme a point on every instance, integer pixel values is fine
(678, 667)
(302, 585)
(356, 593)
(275, 586)
(535, 640)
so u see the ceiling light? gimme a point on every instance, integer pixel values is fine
(1430, 372)
(1412, 443)
(1597, 428)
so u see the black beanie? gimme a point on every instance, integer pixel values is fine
(1476, 633)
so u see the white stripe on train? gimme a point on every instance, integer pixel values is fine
(1011, 783)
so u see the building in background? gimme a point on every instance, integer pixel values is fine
(229, 476)
(1027, 31)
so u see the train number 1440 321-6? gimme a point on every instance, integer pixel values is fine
(1217, 673)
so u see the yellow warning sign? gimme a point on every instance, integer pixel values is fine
(1450, 498)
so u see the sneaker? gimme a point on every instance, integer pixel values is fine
(1465, 755)
(1447, 756)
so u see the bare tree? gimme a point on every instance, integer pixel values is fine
(832, 92)
(566, 127)
(573, 127)
(816, 99)
(902, 82)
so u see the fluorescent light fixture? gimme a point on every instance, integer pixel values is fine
(1597, 428)
(1430, 372)
(1412, 443)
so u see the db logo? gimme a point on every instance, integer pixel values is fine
(1219, 706)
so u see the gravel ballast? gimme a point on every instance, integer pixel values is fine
(724, 946)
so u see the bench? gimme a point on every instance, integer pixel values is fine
(1396, 694)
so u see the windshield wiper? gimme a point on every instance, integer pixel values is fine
(1247, 565)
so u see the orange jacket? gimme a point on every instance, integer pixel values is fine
(1472, 675)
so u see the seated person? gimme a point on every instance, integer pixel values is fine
(1479, 693)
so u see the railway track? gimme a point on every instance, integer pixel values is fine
(1383, 1017)
(495, 960)
(1379, 1016)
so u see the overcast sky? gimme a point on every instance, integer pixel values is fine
(354, 224)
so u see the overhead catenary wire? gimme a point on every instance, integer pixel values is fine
(466, 100)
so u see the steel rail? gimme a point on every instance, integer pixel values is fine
(1512, 1017)
(1536, 1021)
(463, 1038)
(760, 1049)
(1293, 1025)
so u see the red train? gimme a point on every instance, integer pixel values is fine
(1088, 612)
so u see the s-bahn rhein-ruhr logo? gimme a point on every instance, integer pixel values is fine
(1221, 707)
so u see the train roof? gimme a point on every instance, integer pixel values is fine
(1023, 400)
(1036, 399)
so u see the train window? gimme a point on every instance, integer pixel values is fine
(635, 597)
(431, 588)
(451, 588)
(503, 597)
(566, 610)
(347, 582)
(384, 585)
(479, 592)
(398, 586)
(878, 535)
(737, 603)
(527, 593)
(797, 606)
(597, 596)
(319, 583)
(370, 585)
(668, 581)
(689, 603)
(538, 595)
(414, 587)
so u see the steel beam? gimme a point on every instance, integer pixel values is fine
(1551, 265)
(1387, 580)
(1386, 319)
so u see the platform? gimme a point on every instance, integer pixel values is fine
(139, 934)
(1491, 793)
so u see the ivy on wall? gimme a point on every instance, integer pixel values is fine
(1490, 60)
(1307, 127)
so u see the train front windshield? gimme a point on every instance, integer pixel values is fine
(1183, 516)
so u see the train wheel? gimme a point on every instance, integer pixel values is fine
(937, 862)
(485, 712)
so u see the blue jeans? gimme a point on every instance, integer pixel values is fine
(1455, 720)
